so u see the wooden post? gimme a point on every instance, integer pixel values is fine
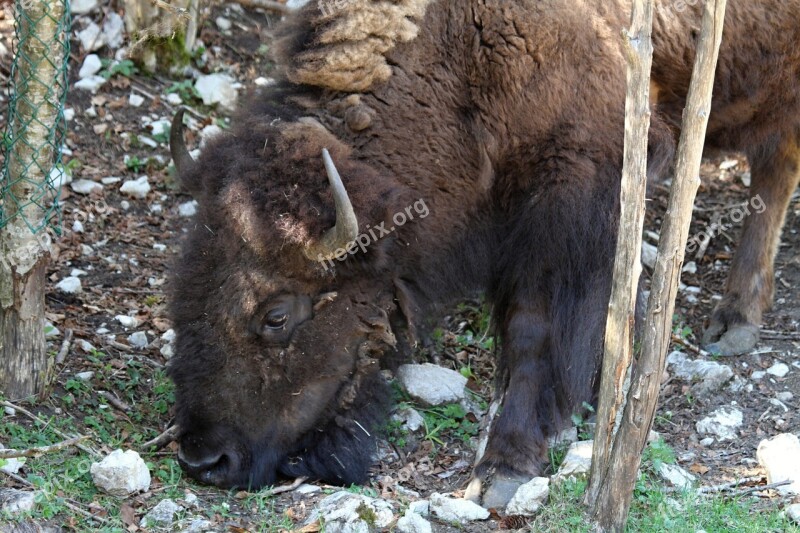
(614, 496)
(23, 252)
(618, 348)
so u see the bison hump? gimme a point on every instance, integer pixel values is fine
(342, 44)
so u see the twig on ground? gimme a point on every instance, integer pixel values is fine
(289, 488)
(728, 486)
(57, 431)
(689, 345)
(62, 353)
(761, 488)
(68, 504)
(266, 4)
(114, 401)
(767, 334)
(10, 453)
(162, 440)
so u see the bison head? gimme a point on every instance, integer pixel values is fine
(276, 367)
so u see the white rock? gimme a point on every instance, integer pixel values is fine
(77, 226)
(59, 177)
(167, 351)
(91, 66)
(432, 384)
(411, 522)
(711, 376)
(163, 514)
(110, 180)
(296, 4)
(649, 253)
(567, 436)
(137, 188)
(779, 370)
(91, 38)
(793, 512)
(127, 321)
(70, 285)
(158, 247)
(82, 7)
(530, 497)
(138, 339)
(223, 24)
(421, 507)
(13, 501)
(92, 83)
(722, 423)
(676, 475)
(174, 99)
(113, 27)
(188, 209)
(341, 513)
(85, 376)
(785, 396)
(410, 418)
(208, 133)
(196, 524)
(306, 488)
(121, 473)
(780, 457)
(159, 127)
(77, 272)
(264, 82)
(708, 441)
(577, 462)
(690, 267)
(135, 100)
(217, 89)
(758, 374)
(85, 345)
(456, 509)
(12, 464)
(83, 186)
(50, 331)
(168, 336)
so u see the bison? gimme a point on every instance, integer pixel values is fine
(500, 121)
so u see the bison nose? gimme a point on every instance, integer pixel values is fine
(212, 467)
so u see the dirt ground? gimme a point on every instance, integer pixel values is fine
(127, 245)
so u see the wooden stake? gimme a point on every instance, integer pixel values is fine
(614, 496)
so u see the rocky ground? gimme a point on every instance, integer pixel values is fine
(720, 420)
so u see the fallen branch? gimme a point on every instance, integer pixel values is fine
(762, 488)
(68, 504)
(779, 335)
(162, 440)
(677, 339)
(57, 431)
(266, 4)
(728, 486)
(10, 453)
(62, 353)
(289, 488)
(114, 401)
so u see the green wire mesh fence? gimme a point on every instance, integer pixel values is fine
(35, 130)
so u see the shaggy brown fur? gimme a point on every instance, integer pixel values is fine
(506, 118)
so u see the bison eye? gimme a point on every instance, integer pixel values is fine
(276, 319)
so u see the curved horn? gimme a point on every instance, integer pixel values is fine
(177, 147)
(345, 230)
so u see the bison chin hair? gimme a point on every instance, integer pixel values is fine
(341, 451)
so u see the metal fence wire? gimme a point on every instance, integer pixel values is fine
(32, 142)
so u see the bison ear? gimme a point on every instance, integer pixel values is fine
(185, 165)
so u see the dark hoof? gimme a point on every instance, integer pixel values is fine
(723, 340)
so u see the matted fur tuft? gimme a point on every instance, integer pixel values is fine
(345, 42)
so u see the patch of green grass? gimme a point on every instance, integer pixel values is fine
(448, 421)
(111, 68)
(186, 90)
(655, 509)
